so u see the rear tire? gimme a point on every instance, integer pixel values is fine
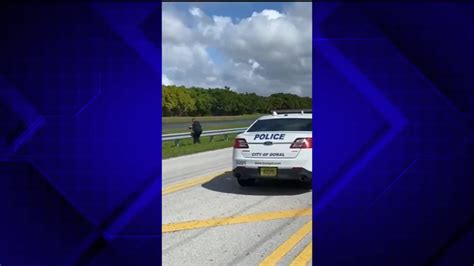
(246, 182)
(307, 184)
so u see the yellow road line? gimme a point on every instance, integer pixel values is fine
(284, 248)
(167, 228)
(189, 183)
(304, 256)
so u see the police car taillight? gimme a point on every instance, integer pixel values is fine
(240, 144)
(302, 143)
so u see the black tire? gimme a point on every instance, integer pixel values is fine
(246, 182)
(307, 184)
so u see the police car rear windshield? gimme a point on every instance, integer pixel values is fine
(283, 124)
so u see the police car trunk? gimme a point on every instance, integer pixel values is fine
(276, 146)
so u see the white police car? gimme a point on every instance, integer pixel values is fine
(277, 146)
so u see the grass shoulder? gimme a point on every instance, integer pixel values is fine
(186, 146)
(181, 130)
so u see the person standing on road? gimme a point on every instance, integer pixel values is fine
(196, 131)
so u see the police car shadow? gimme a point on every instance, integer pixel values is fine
(227, 183)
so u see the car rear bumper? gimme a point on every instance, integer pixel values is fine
(283, 173)
(303, 160)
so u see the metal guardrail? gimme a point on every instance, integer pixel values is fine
(209, 133)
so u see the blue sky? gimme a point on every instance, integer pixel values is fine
(251, 47)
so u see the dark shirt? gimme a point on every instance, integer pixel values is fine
(196, 127)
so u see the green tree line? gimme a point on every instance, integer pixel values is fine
(182, 101)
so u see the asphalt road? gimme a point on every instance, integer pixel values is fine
(208, 219)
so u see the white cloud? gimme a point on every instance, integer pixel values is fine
(211, 79)
(268, 13)
(174, 30)
(196, 12)
(166, 80)
(266, 53)
(254, 64)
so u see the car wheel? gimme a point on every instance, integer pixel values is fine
(246, 182)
